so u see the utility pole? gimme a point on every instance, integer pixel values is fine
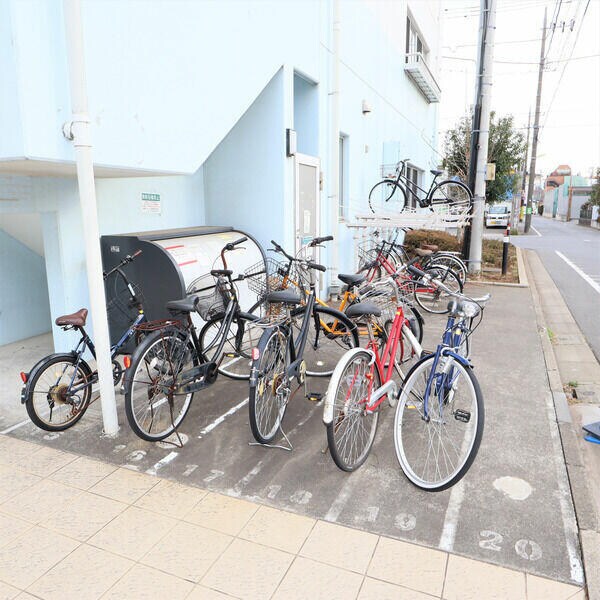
(536, 128)
(522, 198)
(488, 24)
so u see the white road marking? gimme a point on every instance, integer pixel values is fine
(579, 271)
(189, 470)
(214, 474)
(451, 518)
(220, 419)
(162, 463)
(301, 497)
(341, 499)
(532, 227)
(244, 481)
(13, 427)
(273, 491)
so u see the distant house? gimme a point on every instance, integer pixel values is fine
(565, 200)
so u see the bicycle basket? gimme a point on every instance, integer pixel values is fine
(213, 296)
(384, 297)
(268, 276)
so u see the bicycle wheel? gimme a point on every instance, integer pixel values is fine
(237, 351)
(331, 335)
(435, 300)
(436, 446)
(49, 402)
(153, 408)
(382, 192)
(270, 393)
(452, 262)
(455, 194)
(351, 434)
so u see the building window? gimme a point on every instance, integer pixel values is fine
(414, 41)
(343, 191)
(413, 179)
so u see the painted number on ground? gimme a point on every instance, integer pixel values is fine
(527, 549)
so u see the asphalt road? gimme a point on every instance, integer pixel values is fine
(513, 508)
(570, 252)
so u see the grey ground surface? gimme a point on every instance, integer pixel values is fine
(581, 245)
(481, 517)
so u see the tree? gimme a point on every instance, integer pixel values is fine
(595, 194)
(506, 148)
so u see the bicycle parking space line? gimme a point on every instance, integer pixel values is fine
(534, 229)
(579, 272)
(457, 496)
(15, 426)
(162, 463)
(222, 418)
(237, 489)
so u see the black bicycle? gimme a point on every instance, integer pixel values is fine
(58, 389)
(454, 194)
(292, 319)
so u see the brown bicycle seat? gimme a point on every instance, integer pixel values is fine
(422, 253)
(76, 319)
(432, 247)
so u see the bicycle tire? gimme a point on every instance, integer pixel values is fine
(266, 412)
(325, 348)
(436, 301)
(454, 193)
(57, 390)
(240, 344)
(418, 428)
(451, 261)
(386, 195)
(158, 342)
(348, 416)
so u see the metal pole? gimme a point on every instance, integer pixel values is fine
(536, 128)
(78, 130)
(522, 201)
(505, 244)
(482, 153)
(334, 149)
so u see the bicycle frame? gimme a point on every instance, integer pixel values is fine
(408, 186)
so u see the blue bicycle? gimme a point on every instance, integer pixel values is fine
(440, 415)
(58, 389)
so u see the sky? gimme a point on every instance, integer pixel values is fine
(570, 107)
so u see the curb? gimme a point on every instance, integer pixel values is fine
(523, 280)
(587, 520)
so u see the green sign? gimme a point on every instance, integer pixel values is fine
(150, 203)
(529, 210)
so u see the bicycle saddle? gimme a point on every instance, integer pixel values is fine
(283, 297)
(351, 280)
(432, 247)
(76, 319)
(422, 253)
(363, 308)
(185, 305)
(436, 172)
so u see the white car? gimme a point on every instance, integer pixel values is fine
(497, 215)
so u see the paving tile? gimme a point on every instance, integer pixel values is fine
(8, 592)
(203, 593)
(90, 514)
(278, 529)
(248, 571)
(309, 579)
(38, 502)
(580, 595)
(340, 546)
(46, 461)
(225, 514)
(415, 567)
(14, 481)
(373, 589)
(171, 498)
(538, 587)
(187, 551)
(133, 532)
(16, 453)
(83, 473)
(11, 528)
(29, 556)
(83, 575)
(145, 583)
(468, 579)
(26, 596)
(124, 485)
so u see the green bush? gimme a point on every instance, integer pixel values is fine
(445, 241)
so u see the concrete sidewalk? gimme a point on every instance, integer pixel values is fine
(76, 528)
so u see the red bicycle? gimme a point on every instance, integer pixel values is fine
(363, 378)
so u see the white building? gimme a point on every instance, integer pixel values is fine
(191, 101)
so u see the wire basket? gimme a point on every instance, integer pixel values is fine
(384, 297)
(388, 171)
(367, 255)
(272, 275)
(212, 294)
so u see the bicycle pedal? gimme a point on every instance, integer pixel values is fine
(314, 396)
(462, 415)
(229, 354)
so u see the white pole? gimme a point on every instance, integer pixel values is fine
(79, 131)
(484, 130)
(334, 149)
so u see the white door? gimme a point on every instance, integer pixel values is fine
(307, 198)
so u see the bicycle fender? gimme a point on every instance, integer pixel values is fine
(328, 403)
(461, 359)
(32, 373)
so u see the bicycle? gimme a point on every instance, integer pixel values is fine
(170, 366)
(279, 358)
(363, 379)
(439, 417)
(57, 390)
(453, 193)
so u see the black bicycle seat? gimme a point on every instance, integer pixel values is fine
(363, 308)
(351, 280)
(185, 305)
(436, 172)
(283, 297)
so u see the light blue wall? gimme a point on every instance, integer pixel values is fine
(24, 306)
(306, 115)
(244, 176)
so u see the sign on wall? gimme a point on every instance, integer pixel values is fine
(151, 203)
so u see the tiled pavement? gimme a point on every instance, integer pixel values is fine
(71, 527)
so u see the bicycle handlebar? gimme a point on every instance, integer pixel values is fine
(129, 258)
(231, 245)
(319, 240)
(316, 266)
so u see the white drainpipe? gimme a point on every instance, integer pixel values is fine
(334, 150)
(78, 130)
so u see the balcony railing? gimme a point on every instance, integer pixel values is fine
(419, 72)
